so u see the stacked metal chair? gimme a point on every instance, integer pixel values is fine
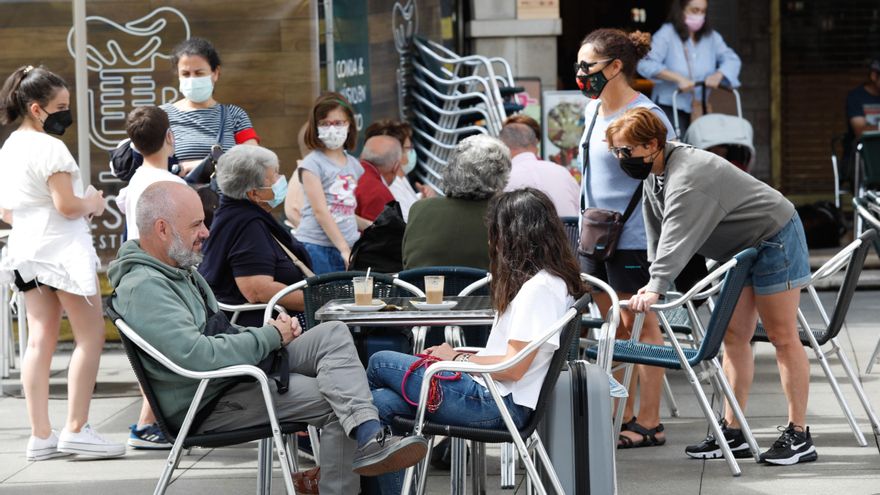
(455, 97)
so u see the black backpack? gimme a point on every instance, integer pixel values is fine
(125, 160)
(380, 245)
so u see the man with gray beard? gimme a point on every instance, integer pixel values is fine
(158, 292)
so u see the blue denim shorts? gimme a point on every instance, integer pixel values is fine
(783, 261)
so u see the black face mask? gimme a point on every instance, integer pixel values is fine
(591, 85)
(636, 166)
(56, 123)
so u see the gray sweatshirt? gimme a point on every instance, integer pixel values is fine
(707, 206)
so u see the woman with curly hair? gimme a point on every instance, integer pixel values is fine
(532, 267)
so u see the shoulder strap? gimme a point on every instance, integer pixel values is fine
(585, 153)
(296, 261)
(633, 201)
(222, 124)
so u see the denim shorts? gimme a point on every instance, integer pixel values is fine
(783, 261)
(325, 259)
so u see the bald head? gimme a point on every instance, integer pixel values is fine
(519, 138)
(384, 152)
(171, 222)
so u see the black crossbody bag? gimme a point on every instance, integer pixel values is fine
(600, 228)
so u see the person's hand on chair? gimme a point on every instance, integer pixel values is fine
(444, 352)
(643, 301)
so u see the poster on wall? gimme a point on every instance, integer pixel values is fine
(563, 126)
(351, 53)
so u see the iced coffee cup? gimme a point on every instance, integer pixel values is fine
(434, 289)
(363, 291)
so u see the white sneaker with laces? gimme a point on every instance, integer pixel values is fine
(90, 443)
(40, 449)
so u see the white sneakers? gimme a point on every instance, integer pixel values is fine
(87, 442)
(40, 449)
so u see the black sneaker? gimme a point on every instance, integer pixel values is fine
(709, 449)
(387, 453)
(792, 447)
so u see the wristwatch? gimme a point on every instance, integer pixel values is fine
(463, 357)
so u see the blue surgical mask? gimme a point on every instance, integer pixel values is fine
(411, 159)
(197, 89)
(279, 189)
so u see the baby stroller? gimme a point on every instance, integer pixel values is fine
(728, 136)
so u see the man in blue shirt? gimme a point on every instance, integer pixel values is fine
(862, 114)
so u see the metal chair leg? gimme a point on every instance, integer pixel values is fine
(478, 468)
(508, 466)
(670, 399)
(22, 327)
(873, 358)
(727, 391)
(315, 439)
(264, 467)
(458, 471)
(857, 385)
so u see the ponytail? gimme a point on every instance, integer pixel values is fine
(25, 85)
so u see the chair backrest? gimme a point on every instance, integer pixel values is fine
(455, 278)
(850, 282)
(136, 358)
(567, 337)
(571, 228)
(870, 154)
(321, 289)
(731, 288)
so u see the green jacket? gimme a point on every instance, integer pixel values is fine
(164, 306)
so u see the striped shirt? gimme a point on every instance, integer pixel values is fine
(195, 131)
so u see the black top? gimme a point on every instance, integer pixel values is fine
(242, 244)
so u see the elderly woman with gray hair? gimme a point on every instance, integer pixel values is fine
(249, 256)
(451, 230)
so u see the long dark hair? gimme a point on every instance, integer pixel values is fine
(676, 17)
(525, 237)
(25, 85)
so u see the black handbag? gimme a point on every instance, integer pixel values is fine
(600, 228)
(275, 365)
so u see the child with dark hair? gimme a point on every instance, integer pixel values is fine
(52, 259)
(532, 267)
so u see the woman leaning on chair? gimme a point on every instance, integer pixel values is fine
(696, 202)
(532, 267)
(249, 256)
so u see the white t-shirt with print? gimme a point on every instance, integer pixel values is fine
(339, 183)
(541, 301)
(128, 196)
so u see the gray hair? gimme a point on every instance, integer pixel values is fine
(382, 151)
(518, 136)
(478, 168)
(243, 168)
(155, 203)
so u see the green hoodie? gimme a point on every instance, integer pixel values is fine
(164, 306)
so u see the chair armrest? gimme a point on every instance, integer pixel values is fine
(267, 314)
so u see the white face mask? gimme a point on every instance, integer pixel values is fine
(333, 136)
(197, 89)
(411, 159)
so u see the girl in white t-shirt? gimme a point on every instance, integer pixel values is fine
(535, 279)
(51, 258)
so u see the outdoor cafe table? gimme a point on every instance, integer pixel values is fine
(470, 311)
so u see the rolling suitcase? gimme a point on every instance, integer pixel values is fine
(576, 431)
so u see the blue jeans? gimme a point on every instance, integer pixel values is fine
(783, 261)
(465, 402)
(325, 259)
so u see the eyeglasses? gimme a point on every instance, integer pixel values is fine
(333, 123)
(585, 66)
(621, 151)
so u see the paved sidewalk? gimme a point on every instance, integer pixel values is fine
(843, 467)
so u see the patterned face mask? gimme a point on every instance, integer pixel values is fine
(333, 136)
